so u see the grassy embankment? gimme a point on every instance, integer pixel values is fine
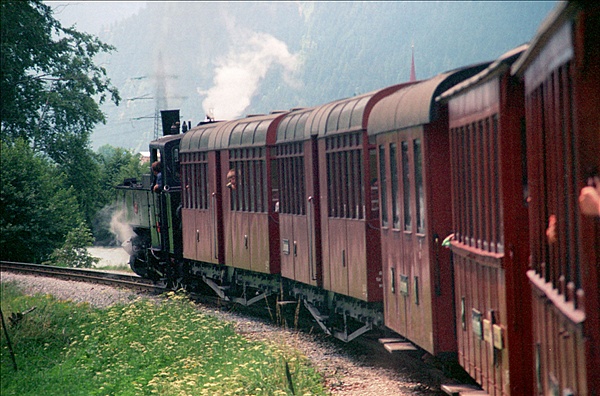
(142, 348)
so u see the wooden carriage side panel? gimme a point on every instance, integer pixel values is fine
(298, 207)
(512, 173)
(395, 268)
(462, 335)
(337, 260)
(257, 242)
(265, 204)
(238, 237)
(356, 262)
(283, 182)
(188, 216)
(188, 225)
(557, 356)
(325, 226)
(437, 212)
(372, 227)
(303, 268)
(586, 93)
(206, 211)
(559, 165)
(216, 206)
(286, 230)
(313, 212)
(228, 218)
(395, 288)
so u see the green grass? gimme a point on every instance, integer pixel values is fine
(123, 267)
(142, 348)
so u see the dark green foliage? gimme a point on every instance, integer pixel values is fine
(115, 164)
(50, 87)
(74, 252)
(50, 96)
(37, 210)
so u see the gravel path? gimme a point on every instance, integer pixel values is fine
(348, 369)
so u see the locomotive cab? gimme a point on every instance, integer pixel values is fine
(155, 214)
(165, 208)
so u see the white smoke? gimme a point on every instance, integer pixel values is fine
(238, 76)
(119, 227)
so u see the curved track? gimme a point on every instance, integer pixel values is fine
(84, 275)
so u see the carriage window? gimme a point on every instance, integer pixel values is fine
(248, 166)
(262, 177)
(499, 236)
(196, 184)
(203, 176)
(374, 184)
(420, 194)
(194, 174)
(345, 190)
(290, 169)
(245, 205)
(185, 192)
(252, 184)
(383, 186)
(394, 180)
(176, 167)
(406, 187)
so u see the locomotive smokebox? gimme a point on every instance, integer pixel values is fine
(170, 122)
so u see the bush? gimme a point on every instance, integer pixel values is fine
(74, 252)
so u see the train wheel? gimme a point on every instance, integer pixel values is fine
(140, 267)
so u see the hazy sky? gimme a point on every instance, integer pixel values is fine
(91, 16)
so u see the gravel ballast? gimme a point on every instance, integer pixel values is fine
(348, 370)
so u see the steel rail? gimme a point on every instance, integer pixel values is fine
(84, 275)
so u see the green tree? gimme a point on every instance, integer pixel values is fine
(74, 252)
(50, 96)
(37, 210)
(50, 88)
(115, 164)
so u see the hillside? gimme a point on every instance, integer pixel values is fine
(240, 58)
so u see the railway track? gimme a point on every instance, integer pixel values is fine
(85, 275)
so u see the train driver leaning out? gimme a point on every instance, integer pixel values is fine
(157, 170)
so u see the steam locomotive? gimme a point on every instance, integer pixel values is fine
(455, 211)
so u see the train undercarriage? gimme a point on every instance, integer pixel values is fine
(340, 316)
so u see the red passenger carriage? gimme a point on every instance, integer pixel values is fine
(201, 203)
(349, 206)
(249, 216)
(350, 222)
(296, 183)
(561, 73)
(489, 247)
(229, 207)
(411, 134)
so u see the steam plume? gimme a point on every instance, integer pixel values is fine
(237, 77)
(122, 231)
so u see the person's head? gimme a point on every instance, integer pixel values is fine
(156, 168)
(231, 180)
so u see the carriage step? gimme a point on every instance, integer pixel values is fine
(463, 390)
(396, 345)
